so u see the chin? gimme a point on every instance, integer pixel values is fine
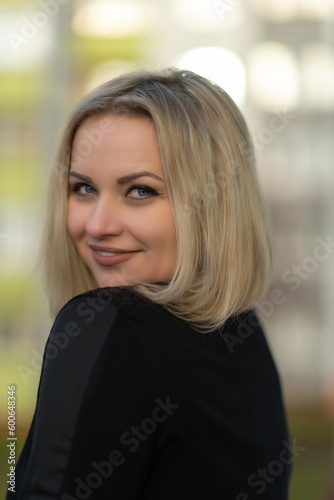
(115, 281)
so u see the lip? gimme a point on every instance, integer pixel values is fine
(109, 249)
(109, 260)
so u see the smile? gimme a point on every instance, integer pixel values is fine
(105, 258)
(108, 254)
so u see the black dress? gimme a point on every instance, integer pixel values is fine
(135, 404)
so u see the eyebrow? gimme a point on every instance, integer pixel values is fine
(80, 176)
(121, 180)
(135, 175)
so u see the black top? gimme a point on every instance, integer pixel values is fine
(135, 404)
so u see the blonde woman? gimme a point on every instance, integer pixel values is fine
(157, 380)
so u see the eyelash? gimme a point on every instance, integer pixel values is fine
(151, 191)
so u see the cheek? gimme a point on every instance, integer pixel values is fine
(163, 233)
(153, 228)
(168, 228)
(168, 234)
(75, 219)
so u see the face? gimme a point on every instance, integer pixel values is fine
(119, 214)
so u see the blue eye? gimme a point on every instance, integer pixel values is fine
(141, 192)
(83, 189)
(135, 192)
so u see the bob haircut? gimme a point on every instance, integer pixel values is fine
(223, 245)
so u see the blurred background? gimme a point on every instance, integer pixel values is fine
(276, 59)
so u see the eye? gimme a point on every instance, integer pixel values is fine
(141, 192)
(83, 189)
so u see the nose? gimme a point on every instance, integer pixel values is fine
(105, 219)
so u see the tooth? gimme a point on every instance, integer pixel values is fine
(107, 254)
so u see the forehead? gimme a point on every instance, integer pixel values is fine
(111, 125)
(116, 140)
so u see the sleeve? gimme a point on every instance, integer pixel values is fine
(99, 411)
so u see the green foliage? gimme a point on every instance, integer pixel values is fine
(20, 93)
(88, 53)
(311, 473)
(21, 181)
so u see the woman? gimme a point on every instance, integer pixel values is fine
(157, 381)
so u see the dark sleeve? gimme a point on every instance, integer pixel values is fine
(94, 430)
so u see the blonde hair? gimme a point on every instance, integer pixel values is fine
(224, 255)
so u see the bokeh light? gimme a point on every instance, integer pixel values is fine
(102, 18)
(220, 65)
(273, 76)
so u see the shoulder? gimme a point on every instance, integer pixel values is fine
(126, 300)
(89, 320)
(100, 309)
(95, 338)
(124, 317)
(112, 325)
(101, 301)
